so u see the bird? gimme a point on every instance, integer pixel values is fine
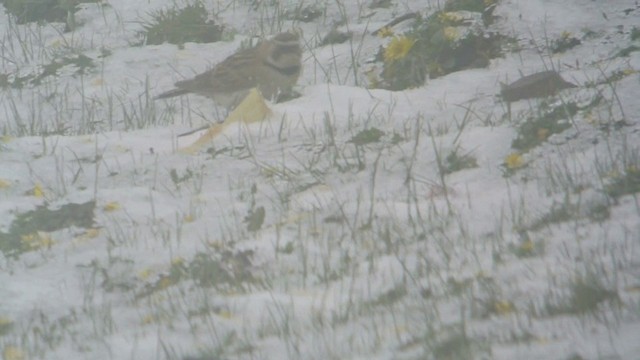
(541, 84)
(273, 66)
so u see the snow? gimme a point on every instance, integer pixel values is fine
(365, 251)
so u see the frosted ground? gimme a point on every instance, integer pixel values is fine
(367, 249)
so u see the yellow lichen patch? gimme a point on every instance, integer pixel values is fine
(398, 48)
(189, 218)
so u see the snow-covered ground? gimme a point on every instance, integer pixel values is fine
(365, 250)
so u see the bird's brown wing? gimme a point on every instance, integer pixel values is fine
(235, 73)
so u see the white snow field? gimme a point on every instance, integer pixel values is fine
(352, 223)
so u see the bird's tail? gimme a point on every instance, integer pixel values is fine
(171, 93)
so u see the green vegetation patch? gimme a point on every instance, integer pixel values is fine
(587, 293)
(227, 270)
(43, 10)
(368, 136)
(565, 42)
(82, 63)
(538, 128)
(182, 25)
(625, 183)
(440, 44)
(23, 232)
(456, 162)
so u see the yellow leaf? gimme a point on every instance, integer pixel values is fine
(5, 321)
(225, 314)
(91, 233)
(144, 274)
(37, 240)
(37, 191)
(111, 206)
(148, 319)
(503, 307)
(11, 352)
(4, 184)
(88, 234)
(177, 261)
(164, 283)
(252, 109)
(527, 246)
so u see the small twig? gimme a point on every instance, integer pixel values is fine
(203, 127)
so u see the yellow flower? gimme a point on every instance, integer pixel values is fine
(386, 31)
(398, 48)
(514, 161)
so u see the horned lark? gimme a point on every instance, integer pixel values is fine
(540, 84)
(273, 66)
